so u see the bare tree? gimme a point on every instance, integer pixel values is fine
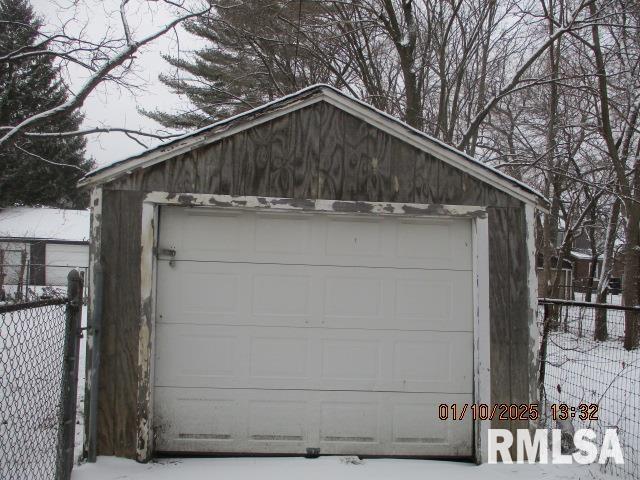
(618, 116)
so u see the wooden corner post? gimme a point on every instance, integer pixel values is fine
(144, 416)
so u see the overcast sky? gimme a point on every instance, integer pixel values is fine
(112, 106)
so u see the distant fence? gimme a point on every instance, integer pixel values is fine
(39, 352)
(17, 282)
(577, 292)
(585, 366)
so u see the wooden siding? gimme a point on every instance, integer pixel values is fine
(120, 257)
(316, 152)
(508, 306)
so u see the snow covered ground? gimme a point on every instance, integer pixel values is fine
(581, 370)
(323, 468)
(586, 372)
(576, 364)
(611, 299)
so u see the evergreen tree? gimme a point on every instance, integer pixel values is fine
(28, 86)
(253, 54)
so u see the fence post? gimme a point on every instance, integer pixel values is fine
(546, 326)
(23, 262)
(2, 292)
(69, 390)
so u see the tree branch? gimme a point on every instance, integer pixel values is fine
(51, 162)
(509, 87)
(97, 78)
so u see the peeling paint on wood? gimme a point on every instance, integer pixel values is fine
(311, 205)
(532, 288)
(481, 330)
(144, 447)
(95, 203)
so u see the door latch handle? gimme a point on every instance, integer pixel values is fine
(169, 252)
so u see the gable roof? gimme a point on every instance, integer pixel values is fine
(302, 98)
(44, 223)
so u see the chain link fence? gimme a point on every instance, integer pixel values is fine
(585, 366)
(38, 375)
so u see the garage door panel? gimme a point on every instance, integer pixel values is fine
(279, 356)
(348, 237)
(427, 241)
(283, 234)
(352, 358)
(196, 355)
(279, 332)
(313, 359)
(188, 229)
(265, 421)
(296, 295)
(349, 296)
(281, 294)
(312, 239)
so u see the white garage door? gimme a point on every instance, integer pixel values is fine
(282, 332)
(61, 259)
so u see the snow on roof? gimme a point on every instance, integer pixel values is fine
(581, 255)
(45, 223)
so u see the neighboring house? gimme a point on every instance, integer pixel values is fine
(38, 246)
(581, 257)
(566, 284)
(576, 268)
(574, 277)
(310, 276)
(582, 265)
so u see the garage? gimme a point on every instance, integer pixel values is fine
(277, 333)
(309, 277)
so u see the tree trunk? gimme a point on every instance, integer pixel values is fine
(601, 330)
(551, 220)
(592, 271)
(593, 265)
(630, 276)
